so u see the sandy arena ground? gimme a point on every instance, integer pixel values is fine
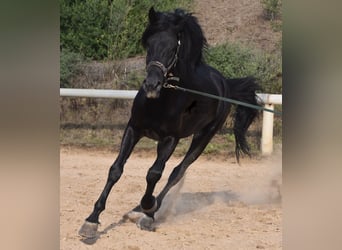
(221, 205)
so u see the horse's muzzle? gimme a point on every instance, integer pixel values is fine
(152, 87)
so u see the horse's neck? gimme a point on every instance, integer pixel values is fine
(185, 71)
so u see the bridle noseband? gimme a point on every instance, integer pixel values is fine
(161, 66)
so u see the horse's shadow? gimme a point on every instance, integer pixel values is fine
(185, 203)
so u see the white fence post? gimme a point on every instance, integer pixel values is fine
(267, 131)
(267, 122)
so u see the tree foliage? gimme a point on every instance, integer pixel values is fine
(107, 29)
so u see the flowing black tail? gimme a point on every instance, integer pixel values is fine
(243, 89)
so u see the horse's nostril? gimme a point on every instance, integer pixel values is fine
(152, 83)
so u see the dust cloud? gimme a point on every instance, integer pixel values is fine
(167, 209)
(265, 189)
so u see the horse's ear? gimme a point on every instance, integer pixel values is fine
(152, 15)
(182, 17)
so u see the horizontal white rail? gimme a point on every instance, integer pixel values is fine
(271, 98)
(130, 94)
(99, 93)
(268, 99)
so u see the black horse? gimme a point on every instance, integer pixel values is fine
(174, 42)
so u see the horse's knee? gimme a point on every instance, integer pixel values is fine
(115, 172)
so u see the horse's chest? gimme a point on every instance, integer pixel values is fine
(179, 122)
(179, 116)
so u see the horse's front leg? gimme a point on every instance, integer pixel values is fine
(148, 203)
(129, 140)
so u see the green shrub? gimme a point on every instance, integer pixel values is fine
(102, 29)
(269, 73)
(84, 27)
(234, 61)
(69, 66)
(127, 32)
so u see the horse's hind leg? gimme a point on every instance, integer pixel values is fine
(198, 144)
(129, 140)
(148, 202)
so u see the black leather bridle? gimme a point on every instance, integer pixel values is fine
(161, 66)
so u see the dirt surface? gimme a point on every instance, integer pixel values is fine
(220, 205)
(236, 21)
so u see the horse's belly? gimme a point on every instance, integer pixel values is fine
(174, 128)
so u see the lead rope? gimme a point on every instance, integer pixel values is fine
(221, 98)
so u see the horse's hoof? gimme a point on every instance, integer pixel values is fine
(133, 216)
(146, 223)
(88, 230)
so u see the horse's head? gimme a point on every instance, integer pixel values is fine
(161, 40)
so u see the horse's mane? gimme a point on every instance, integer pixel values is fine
(189, 32)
